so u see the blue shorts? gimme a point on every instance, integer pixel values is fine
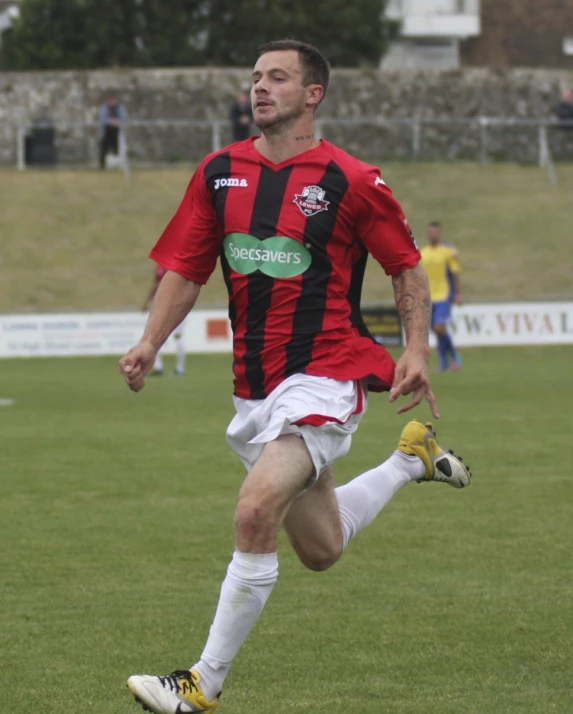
(441, 312)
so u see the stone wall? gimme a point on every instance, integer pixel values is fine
(203, 95)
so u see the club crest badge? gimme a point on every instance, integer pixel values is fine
(311, 200)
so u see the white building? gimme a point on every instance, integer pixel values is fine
(430, 33)
(9, 11)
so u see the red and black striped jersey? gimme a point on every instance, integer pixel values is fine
(293, 239)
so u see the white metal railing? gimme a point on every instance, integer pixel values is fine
(23, 130)
(544, 155)
(417, 129)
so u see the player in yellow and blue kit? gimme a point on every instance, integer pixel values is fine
(441, 263)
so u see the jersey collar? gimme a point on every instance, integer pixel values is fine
(299, 158)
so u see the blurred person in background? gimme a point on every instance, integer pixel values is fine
(241, 116)
(564, 110)
(112, 116)
(441, 263)
(292, 219)
(177, 333)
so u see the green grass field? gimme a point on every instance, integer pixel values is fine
(115, 523)
(78, 240)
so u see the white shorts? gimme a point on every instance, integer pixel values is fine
(324, 412)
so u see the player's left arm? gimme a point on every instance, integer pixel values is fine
(384, 230)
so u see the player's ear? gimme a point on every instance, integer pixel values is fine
(314, 94)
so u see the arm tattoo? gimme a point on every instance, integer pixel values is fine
(412, 296)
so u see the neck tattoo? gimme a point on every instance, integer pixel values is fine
(304, 138)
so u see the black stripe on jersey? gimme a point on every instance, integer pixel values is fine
(220, 167)
(266, 210)
(311, 304)
(355, 293)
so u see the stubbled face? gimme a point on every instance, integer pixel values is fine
(278, 95)
(434, 234)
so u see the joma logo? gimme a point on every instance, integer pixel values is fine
(224, 182)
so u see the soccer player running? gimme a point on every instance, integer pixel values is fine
(157, 371)
(441, 263)
(293, 219)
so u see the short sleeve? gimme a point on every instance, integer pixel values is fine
(191, 242)
(454, 265)
(381, 224)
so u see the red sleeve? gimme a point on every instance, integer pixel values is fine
(382, 225)
(191, 243)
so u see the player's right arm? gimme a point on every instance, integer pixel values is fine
(188, 249)
(173, 300)
(150, 295)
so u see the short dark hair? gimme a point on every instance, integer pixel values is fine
(315, 67)
(434, 224)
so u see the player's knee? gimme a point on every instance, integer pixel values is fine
(256, 513)
(318, 559)
(440, 329)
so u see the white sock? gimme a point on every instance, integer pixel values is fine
(158, 362)
(362, 499)
(180, 352)
(245, 590)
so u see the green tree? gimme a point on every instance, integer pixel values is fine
(168, 32)
(70, 34)
(348, 33)
(111, 31)
(49, 34)
(78, 34)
